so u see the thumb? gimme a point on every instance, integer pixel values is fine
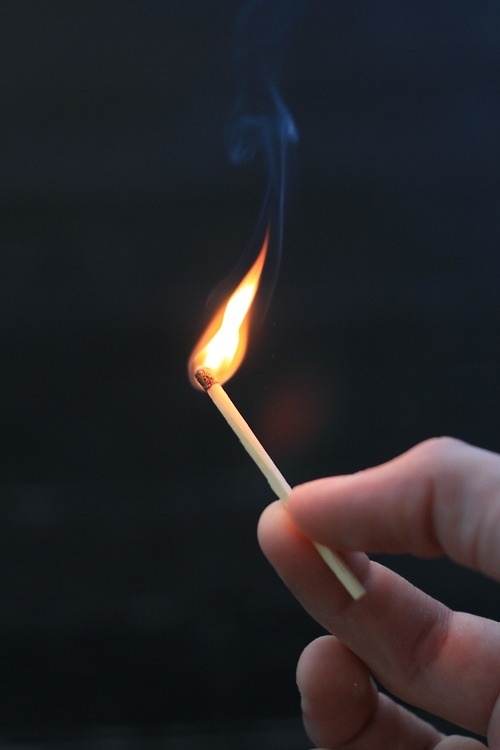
(441, 497)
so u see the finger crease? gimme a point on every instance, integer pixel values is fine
(429, 643)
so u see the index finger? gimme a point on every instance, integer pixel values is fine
(443, 662)
(442, 497)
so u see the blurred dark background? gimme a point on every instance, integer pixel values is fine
(136, 609)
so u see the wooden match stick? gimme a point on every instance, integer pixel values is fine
(277, 481)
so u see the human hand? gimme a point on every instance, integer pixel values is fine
(440, 498)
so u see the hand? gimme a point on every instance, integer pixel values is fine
(442, 497)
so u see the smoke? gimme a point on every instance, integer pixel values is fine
(260, 125)
(260, 119)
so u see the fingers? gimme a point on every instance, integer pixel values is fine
(442, 497)
(342, 708)
(446, 663)
(460, 743)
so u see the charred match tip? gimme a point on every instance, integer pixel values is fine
(205, 377)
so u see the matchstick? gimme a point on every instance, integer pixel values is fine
(277, 481)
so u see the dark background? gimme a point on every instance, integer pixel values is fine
(135, 606)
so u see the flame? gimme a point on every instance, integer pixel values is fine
(223, 344)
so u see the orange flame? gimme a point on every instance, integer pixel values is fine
(223, 344)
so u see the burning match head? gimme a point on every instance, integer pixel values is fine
(205, 377)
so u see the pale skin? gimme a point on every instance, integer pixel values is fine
(440, 498)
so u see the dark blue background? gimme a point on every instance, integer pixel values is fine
(134, 599)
